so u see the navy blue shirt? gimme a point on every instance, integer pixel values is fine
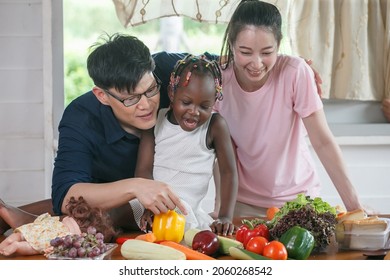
(93, 147)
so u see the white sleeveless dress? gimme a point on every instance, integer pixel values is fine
(183, 160)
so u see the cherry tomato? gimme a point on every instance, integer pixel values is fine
(271, 212)
(257, 244)
(263, 230)
(121, 240)
(240, 234)
(275, 250)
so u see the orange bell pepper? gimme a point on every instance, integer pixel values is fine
(169, 226)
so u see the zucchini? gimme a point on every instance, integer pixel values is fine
(134, 249)
(242, 254)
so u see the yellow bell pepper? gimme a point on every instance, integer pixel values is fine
(169, 226)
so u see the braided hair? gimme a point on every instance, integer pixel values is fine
(196, 64)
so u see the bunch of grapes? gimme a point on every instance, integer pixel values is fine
(86, 245)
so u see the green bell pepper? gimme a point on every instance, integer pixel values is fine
(299, 242)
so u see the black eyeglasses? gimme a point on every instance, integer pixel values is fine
(136, 97)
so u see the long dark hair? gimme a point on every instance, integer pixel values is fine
(250, 12)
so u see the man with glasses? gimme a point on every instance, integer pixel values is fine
(99, 134)
(99, 137)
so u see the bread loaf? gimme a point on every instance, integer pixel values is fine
(367, 225)
(355, 230)
(357, 214)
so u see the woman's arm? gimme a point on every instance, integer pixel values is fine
(330, 156)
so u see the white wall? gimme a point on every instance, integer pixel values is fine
(364, 138)
(368, 164)
(30, 73)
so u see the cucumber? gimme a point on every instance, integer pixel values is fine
(242, 254)
(225, 243)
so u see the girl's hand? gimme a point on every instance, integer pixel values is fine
(223, 226)
(146, 220)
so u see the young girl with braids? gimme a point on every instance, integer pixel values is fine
(182, 148)
(34, 237)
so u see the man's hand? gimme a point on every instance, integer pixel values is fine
(317, 77)
(386, 108)
(158, 197)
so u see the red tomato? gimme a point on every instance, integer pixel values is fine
(249, 234)
(263, 230)
(121, 240)
(257, 244)
(275, 250)
(240, 234)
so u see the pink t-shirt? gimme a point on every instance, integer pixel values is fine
(273, 158)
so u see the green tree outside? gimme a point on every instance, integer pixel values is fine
(85, 21)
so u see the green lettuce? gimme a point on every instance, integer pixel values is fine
(320, 206)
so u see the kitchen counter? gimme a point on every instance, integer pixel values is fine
(332, 252)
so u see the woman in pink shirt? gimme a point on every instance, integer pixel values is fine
(271, 103)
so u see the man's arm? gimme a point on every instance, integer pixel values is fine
(386, 108)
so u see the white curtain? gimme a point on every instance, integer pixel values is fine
(136, 12)
(348, 40)
(133, 12)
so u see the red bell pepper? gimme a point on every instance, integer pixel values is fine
(240, 233)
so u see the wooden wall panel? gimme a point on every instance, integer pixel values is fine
(22, 187)
(23, 18)
(21, 53)
(21, 120)
(21, 154)
(21, 86)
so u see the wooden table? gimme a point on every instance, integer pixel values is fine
(331, 253)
